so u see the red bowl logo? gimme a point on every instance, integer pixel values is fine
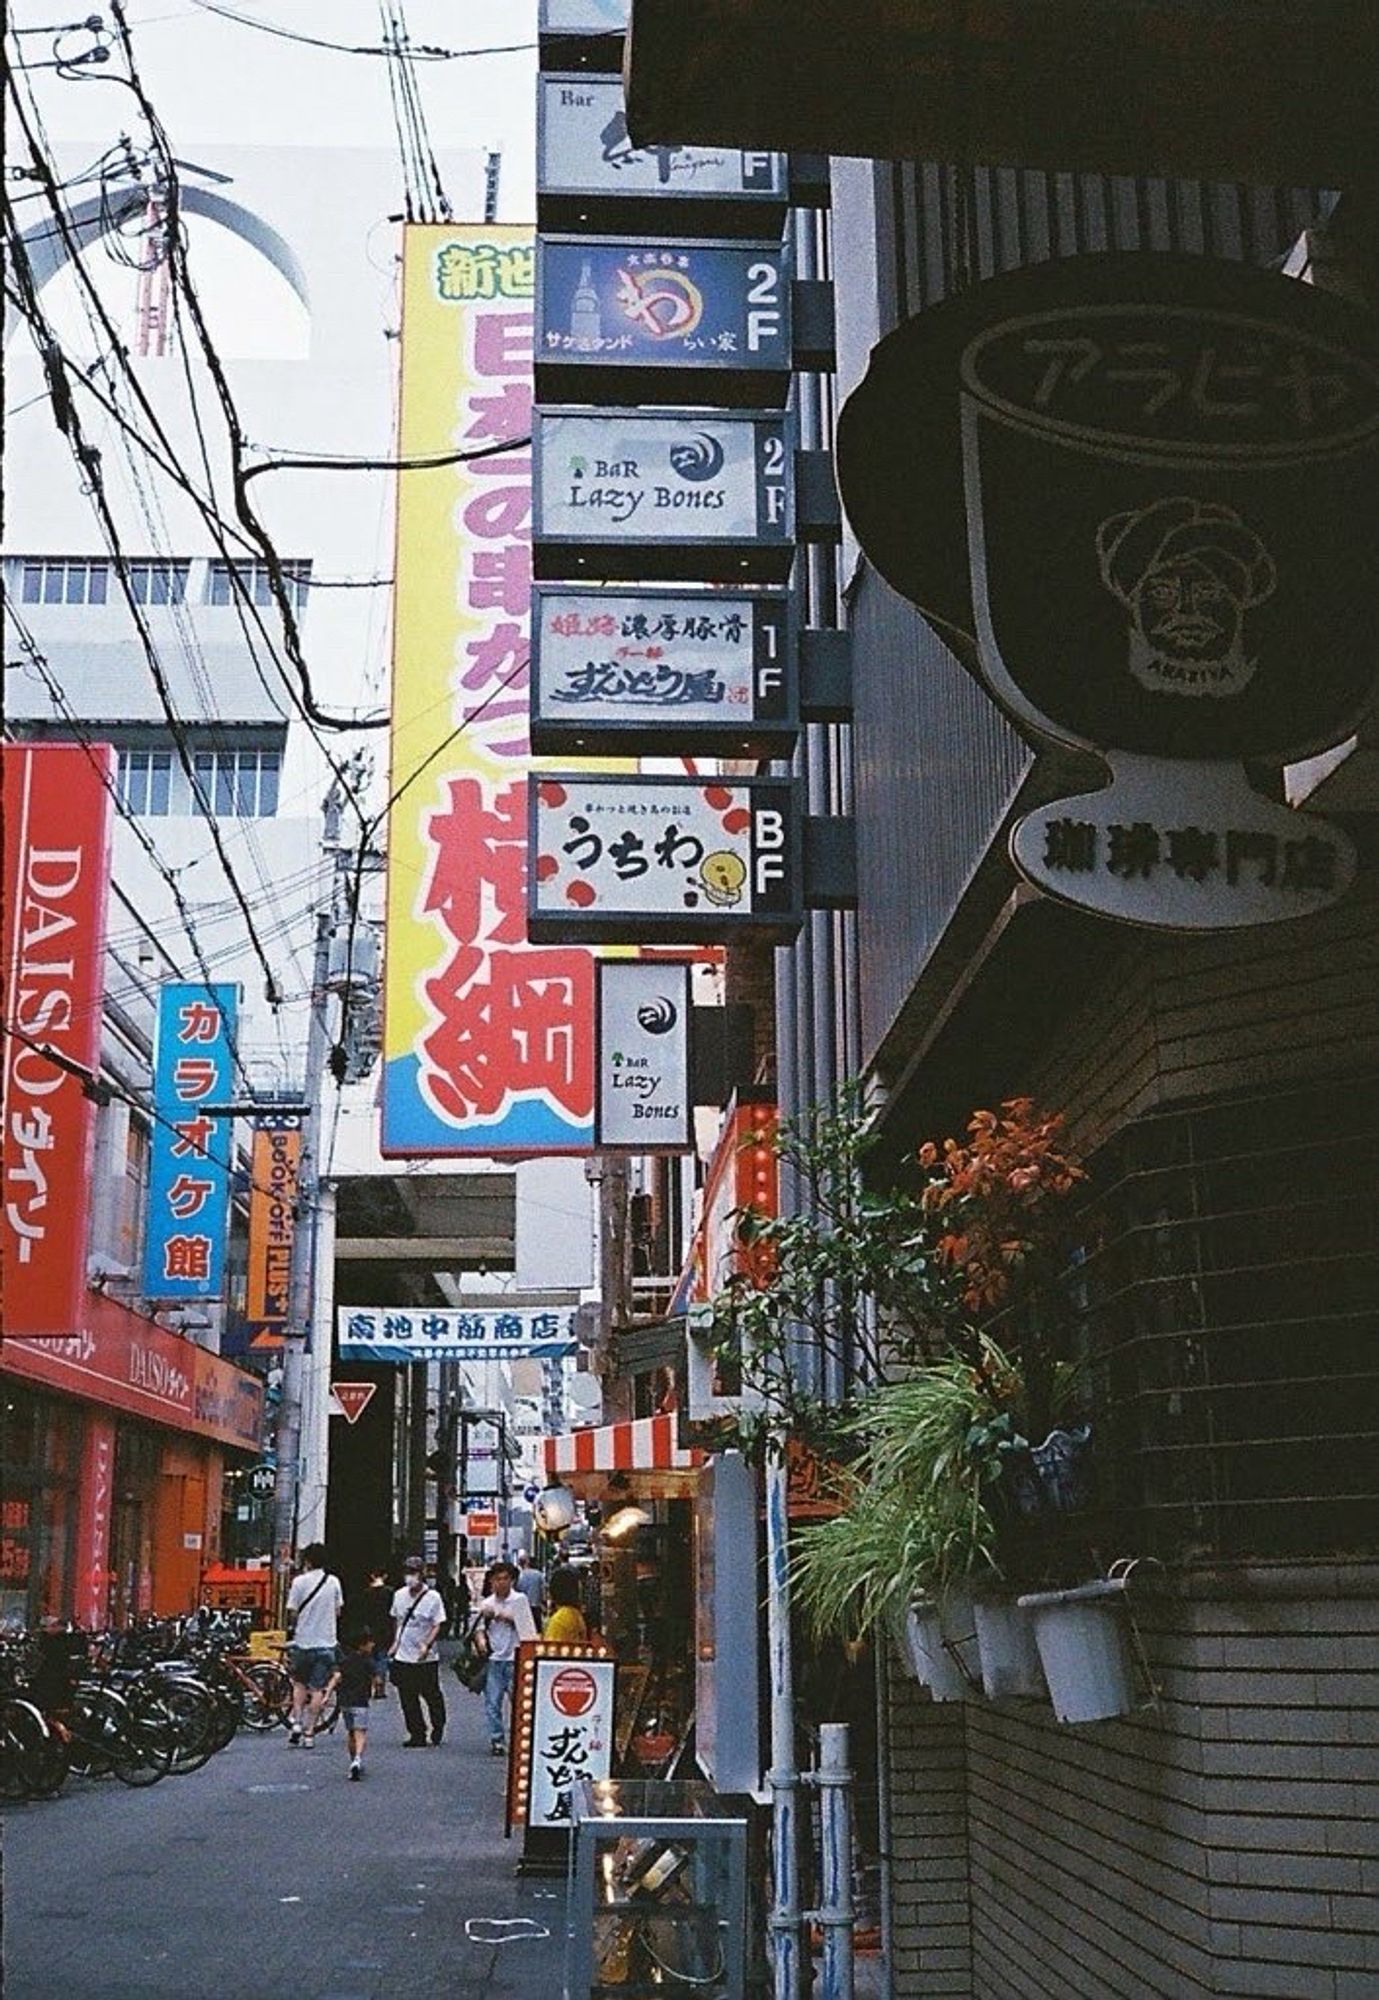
(574, 1691)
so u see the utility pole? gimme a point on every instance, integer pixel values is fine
(300, 1271)
(302, 1267)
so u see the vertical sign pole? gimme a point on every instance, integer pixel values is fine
(299, 1313)
(785, 1923)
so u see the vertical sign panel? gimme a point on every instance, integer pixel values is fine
(488, 1041)
(572, 1733)
(276, 1164)
(643, 1068)
(57, 871)
(189, 1158)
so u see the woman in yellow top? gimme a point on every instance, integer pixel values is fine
(565, 1620)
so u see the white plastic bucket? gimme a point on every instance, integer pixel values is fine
(942, 1645)
(1008, 1648)
(1084, 1651)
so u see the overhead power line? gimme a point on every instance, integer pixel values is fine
(423, 51)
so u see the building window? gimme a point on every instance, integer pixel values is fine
(56, 580)
(158, 582)
(235, 784)
(256, 583)
(144, 778)
(239, 784)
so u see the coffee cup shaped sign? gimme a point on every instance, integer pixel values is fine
(1139, 495)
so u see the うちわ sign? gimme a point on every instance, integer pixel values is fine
(1149, 520)
(679, 860)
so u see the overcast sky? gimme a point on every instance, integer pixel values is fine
(217, 82)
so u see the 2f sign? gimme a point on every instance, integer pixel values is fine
(763, 306)
(773, 494)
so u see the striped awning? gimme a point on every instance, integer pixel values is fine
(646, 1444)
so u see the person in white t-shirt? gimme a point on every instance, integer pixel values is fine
(418, 1614)
(313, 1611)
(508, 1621)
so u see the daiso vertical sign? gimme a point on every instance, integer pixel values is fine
(57, 873)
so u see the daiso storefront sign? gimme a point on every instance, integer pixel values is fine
(57, 871)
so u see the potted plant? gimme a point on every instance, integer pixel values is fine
(961, 1469)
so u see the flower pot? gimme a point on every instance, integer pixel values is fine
(1009, 1652)
(1054, 1477)
(941, 1643)
(1083, 1650)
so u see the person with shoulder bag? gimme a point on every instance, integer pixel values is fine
(313, 1610)
(418, 1614)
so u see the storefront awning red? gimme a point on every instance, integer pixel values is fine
(646, 1445)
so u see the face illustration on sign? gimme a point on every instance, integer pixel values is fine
(1187, 572)
(1138, 496)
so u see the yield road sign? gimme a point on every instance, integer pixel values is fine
(353, 1397)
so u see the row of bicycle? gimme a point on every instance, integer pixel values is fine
(155, 1701)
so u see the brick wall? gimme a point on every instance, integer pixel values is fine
(1225, 1842)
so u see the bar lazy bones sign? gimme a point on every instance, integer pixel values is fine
(1139, 497)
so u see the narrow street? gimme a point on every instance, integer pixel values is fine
(269, 1872)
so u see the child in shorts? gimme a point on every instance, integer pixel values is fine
(353, 1681)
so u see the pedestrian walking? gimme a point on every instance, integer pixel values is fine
(353, 1681)
(508, 1621)
(566, 1618)
(313, 1610)
(418, 1613)
(532, 1584)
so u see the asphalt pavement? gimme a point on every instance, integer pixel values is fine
(268, 1872)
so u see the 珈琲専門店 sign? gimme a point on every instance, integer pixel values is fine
(57, 877)
(583, 147)
(675, 670)
(275, 1162)
(189, 1153)
(488, 1040)
(682, 860)
(403, 1334)
(654, 311)
(1139, 496)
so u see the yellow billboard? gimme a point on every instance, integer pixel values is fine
(488, 1040)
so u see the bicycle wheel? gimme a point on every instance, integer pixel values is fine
(97, 1724)
(329, 1714)
(145, 1748)
(33, 1760)
(267, 1702)
(187, 1709)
